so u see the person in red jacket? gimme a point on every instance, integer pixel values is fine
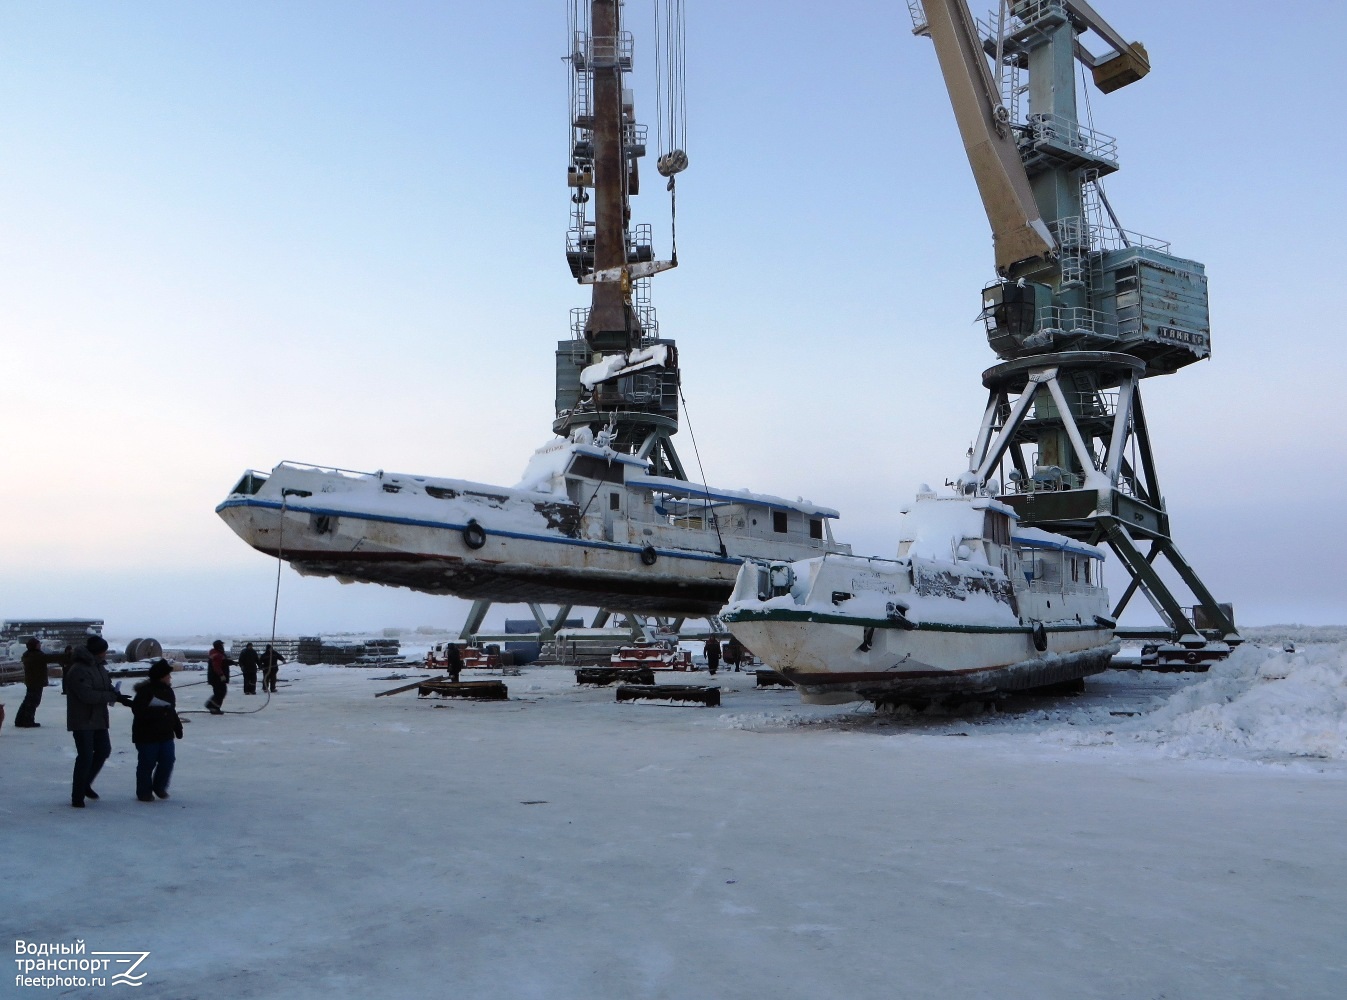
(217, 673)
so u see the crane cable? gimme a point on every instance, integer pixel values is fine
(671, 103)
(706, 490)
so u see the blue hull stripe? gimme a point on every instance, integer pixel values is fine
(781, 615)
(447, 526)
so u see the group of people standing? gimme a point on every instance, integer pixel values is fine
(249, 662)
(156, 726)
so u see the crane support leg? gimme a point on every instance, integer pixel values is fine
(1141, 569)
(473, 623)
(1194, 583)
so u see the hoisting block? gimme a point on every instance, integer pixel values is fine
(480, 690)
(771, 678)
(708, 696)
(607, 675)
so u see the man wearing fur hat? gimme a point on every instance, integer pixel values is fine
(155, 728)
(89, 692)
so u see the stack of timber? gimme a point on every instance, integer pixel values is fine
(580, 648)
(55, 633)
(312, 649)
(295, 650)
(771, 678)
(370, 653)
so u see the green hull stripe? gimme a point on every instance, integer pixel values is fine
(884, 623)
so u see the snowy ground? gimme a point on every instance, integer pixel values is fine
(1161, 836)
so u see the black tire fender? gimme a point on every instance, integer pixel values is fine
(1040, 636)
(649, 556)
(474, 535)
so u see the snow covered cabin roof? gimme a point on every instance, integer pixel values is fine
(1037, 538)
(934, 522)
(683, 488)
(547, 467)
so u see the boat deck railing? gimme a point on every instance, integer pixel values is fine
(353, 473)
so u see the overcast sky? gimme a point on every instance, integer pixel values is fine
(333, 232)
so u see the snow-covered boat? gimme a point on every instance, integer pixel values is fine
(586, 526)
(972, 604)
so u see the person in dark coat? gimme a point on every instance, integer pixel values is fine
(248, 662)
(89, 692)
(35, 681)
(271, 661)
(712, 650)
(734, 653)
(454, 661)
(156, 726)
(217, 674)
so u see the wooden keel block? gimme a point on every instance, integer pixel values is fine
(478, 690)
(609, 675)
(708, 696)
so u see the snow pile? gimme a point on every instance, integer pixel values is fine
(1259, 703)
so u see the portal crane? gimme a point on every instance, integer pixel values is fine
(1081, 310)
(635, 404)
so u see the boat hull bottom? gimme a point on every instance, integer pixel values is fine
(516, 583)
(819, 689)
(835, 660)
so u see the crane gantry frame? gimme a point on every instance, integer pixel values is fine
(1082, 310)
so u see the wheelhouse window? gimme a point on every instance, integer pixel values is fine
(596, 468)
(779, 524)
(1048, 567)
(249, 484)
(816, 527)
(614, 501)
(996, 527)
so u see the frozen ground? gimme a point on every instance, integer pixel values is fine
(1170, 836)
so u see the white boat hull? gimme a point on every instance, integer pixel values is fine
(826, 658)
(500, 544)
(968, 607)
(435, 559)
